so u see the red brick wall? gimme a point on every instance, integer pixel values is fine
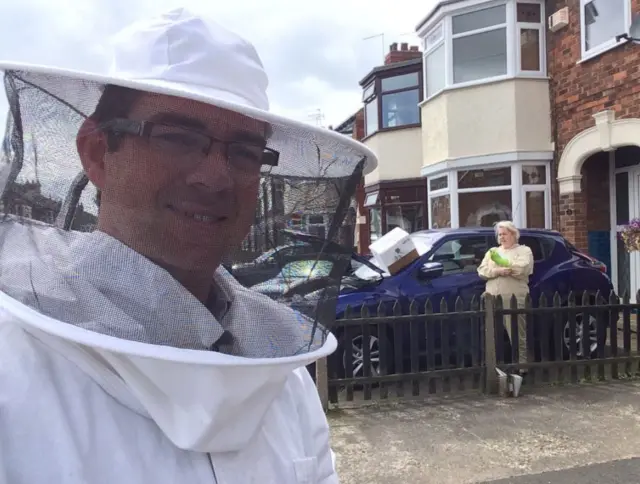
(579, 90)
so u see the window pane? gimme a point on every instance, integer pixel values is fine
(407, 217)
(461, 255)
(372, 199)
(479, 19)
(435, 71)
(529, 12)
(603, 20)
(371, 117)
(484, 178)
(368, 91)
(530, 49)
(400, 109)
(484, 209)
(480, 56)
(622, 198)
(439, 183)
(535, 210)
(627, 156)
(433, 37)
(399, 82)
(534, 175)
(440, 212)
(535, 245)
(375, 224)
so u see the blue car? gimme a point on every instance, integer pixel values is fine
(447, 269)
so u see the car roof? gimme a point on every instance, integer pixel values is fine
(482, 231)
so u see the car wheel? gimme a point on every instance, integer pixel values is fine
(588, 330)
(357, 354)
(356, 349)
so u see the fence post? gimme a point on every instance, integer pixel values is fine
(490, 344)
(322, 382)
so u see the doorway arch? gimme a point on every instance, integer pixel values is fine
(608, 134)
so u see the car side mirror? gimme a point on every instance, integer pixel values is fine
(430, 270)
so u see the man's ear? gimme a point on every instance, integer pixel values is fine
(92, 148)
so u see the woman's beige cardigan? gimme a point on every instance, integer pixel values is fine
(521, 259)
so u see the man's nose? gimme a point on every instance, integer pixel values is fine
(212, 172)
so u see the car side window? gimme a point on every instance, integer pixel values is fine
(536, 246)
(462, 254)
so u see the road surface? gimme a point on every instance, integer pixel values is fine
(617, 472)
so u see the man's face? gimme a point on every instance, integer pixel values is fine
(169, 201)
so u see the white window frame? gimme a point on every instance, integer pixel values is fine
(435, 194)
(604, 47)
(469, 33)
(371, 100)
(513, 42)
(520, 26)
(517, 188)
(431, 42)
(520, 189)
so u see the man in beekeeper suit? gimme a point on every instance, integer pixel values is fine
(127, 354)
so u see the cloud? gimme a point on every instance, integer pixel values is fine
(315, 53)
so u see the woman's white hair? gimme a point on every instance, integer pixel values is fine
(507, 225)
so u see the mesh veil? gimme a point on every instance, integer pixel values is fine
(296, 252)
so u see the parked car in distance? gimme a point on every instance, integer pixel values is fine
(447, 270)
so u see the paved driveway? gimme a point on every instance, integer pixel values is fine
(481, 439)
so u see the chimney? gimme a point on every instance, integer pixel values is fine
(405, 53)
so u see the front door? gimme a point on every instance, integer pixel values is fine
(634, 212)
(627, 193)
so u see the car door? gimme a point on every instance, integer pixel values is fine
(460, 255)
(541, 248)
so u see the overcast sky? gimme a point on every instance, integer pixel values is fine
(314, 53)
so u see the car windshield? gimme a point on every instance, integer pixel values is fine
(423, 243)
(269, 254)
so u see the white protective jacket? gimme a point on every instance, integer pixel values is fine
(81, 406)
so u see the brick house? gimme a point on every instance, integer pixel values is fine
(529, 111)
(595, 97)
(393, 195)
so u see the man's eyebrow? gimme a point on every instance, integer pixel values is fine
(178, 120)
(248, 137)
(187, 122)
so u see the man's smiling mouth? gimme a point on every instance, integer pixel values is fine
(199, 217)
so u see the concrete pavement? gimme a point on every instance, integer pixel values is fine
(475, 439)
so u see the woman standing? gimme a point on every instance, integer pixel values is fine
(506, 270)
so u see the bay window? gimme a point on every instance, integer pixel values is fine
(480, 197)
(370, 110)
(394, 204)
(479, 44)
(400, 98)
(434, 61)
(493, 41)
(391, 101)
(601, 21)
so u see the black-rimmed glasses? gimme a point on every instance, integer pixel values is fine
(190, 143)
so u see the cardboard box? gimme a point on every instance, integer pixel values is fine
(394, 251)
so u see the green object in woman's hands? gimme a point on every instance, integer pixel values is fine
(498, 259)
